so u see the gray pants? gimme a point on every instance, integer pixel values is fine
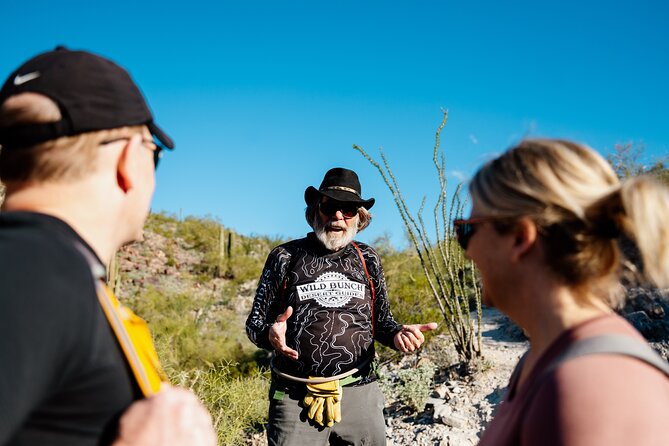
(362, 421)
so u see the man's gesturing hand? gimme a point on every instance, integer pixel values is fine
(410, 337)
(277, 335)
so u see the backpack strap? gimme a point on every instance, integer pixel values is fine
(600, 345)
(369, 279)
(596, 345)
(131, 332)
(134, 337)
(612, 344)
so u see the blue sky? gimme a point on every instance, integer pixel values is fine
(263, 97)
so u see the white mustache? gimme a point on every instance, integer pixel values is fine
(336, 225)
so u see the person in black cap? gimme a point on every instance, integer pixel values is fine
(78, 150)
(320, 304)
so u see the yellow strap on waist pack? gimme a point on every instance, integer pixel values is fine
(134, 336)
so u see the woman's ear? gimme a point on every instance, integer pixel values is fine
(525, 237)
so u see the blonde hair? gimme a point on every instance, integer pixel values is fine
(65, 158)
(583, 212)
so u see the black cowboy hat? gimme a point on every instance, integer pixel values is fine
(339, 184)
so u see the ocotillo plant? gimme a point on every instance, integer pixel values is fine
(451, 277)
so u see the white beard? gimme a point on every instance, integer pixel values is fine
(335, 240)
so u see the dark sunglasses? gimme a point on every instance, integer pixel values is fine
(465, 228)
(329, 208)
(152, 145)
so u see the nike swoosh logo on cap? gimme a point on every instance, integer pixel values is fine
(22, 79)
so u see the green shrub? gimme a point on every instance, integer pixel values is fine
(629, 160)
(238, 405)
(411, 386)
(161, 223)
(409, 293)
(191, 332)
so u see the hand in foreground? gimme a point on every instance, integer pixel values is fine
(277, 335)
(410, 337)
(172, 417)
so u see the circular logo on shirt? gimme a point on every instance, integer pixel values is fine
(331, 290)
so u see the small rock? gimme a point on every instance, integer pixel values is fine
(434, 401)
(440, 391)
(454, 420)
(424, 361)
(442, 410)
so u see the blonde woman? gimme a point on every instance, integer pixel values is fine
(548, 221)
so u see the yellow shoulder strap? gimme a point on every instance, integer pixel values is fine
(134, 336)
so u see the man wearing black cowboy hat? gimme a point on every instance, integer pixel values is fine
(320, 304)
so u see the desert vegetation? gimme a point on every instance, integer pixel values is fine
(628, 160)
(192, 280)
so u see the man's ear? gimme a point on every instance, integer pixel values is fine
(525, 237)
(124, 177)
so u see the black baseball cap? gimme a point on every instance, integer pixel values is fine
(93, 93)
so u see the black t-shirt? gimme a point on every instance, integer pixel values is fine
(63, 377)
(332, 323)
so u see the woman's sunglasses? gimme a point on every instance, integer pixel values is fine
(465, 228)
(329, 208)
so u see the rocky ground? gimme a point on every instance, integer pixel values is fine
(459, 407)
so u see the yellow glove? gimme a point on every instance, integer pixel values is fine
(323, 402)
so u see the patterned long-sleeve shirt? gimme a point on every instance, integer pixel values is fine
(333, 326)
